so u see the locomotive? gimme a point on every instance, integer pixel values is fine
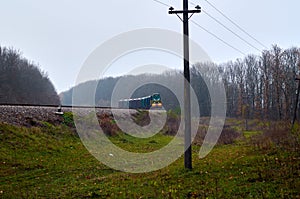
(151, 101)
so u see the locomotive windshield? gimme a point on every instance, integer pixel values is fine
(156, 97)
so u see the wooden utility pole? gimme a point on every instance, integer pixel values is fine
(187, 99)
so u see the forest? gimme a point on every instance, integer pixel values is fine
(265, 86)
(22, 82)
(262, 87)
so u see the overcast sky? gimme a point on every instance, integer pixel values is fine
(59, 35)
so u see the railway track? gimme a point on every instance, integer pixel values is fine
(56, 106)
(25, 114)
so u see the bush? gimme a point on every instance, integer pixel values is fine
(173, 122)
(228, 135)
(108, 125)
(141, 118)
(68, 119)
(279, 135)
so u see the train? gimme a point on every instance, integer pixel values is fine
(149, 102)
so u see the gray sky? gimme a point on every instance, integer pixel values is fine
(60, 34)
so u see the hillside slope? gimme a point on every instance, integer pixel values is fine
(23, 82)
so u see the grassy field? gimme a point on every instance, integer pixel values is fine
(51, 162)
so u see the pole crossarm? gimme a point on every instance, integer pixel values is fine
(183, 11)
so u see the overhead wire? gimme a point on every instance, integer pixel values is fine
(220, 23)
(235, 24)
(162, 3)
(214, 35)
(207, 31)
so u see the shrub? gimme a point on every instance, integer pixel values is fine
(68, 119)
(141, 118)
(173, 122)
(108, 125)
(228, 135)
(278, 135)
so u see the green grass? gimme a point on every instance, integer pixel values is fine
(51, 162)
(249, 134)
(145, 145)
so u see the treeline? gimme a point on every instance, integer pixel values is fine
(22, 82)
(105, 88)
(261, 87)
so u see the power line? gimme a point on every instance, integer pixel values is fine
(220, 23)
(241, 38)
(214, 35)
(162, 3)
(239, 27)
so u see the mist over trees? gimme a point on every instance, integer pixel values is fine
(262, 87)
(105, 88)
(22, 81)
